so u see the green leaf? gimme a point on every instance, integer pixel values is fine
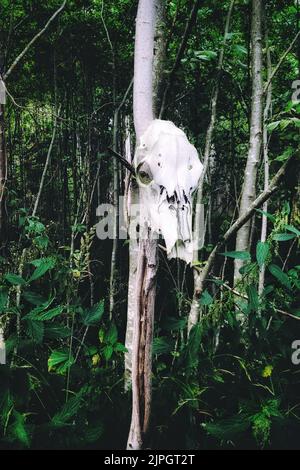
(244, 255)
(34, 298)
(174, 324)
(240, 50)
(59, 361)
(292, 229)
(108, 351)
(93, 433)
(162, 345)
(3, 298)
(35, 331)
(262, 251)
(14, 279)
(112, 334)
(282, 277)
(228, 428)
(253, 297)
(119, 347)
(193, 345)
(205, 55)
(94, 314)
(206, 298)
(54, 312)
(35, 313)
(283, 237)
(42, 266)
(68, 411)
(273, 125)
(267, 214)
(19, 429)
(54, 331)
(41, 241)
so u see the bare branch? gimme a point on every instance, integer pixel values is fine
(264, 196)
(188, 27)
(280, 62)
(33, 40)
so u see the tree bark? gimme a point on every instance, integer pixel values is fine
(264, 223)
(3, 178)
(250, 174)
(147, 259)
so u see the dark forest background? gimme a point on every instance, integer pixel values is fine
(230, 384)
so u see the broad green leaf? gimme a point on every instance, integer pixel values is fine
(253, 297)
(205, 55)
(19, 429)
(283, 237)
(42, 266)
(94, 314)
(162, 345)
(267, 214)
(282, 277)
(41, 241)
(54, 331)
(229, 428)
(3, 298)
(206, 298)
(112, 334)
(292, 229)
(119, 347)
(193, 345)
(240, 50)
(262, 251)
(34, 298)
(244, 255)
(273, 125)
(108, 351)
(35, 331)
(60, 361)
(68, 411)
(34, 314)
(54, 312)
(174, 324)
(93, 433)
(15, 279)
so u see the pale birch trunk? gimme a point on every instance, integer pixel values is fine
(198, 222)
(250, 174)
(131, 198)
(3, 178)
(267, 111)
(147, 254)
(132, 193)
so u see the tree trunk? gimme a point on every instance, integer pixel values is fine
(248, 191)
(147, 263)
(3, 178)
(264, 223)
(198, 222)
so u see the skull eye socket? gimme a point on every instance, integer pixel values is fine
(144, 173)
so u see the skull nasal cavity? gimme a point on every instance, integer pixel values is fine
(144, 173)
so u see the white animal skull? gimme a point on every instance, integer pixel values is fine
(168, 171)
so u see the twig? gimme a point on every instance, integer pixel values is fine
(189, 24)
(243, 296)
(264, 196)
(33, 40)
(280, 62)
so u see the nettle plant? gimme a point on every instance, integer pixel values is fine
(55, 346)
(233, 382)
